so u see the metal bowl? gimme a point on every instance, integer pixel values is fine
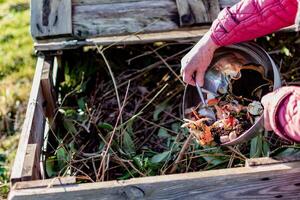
(252, 54)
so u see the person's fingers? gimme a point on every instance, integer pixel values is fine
(266, 103)
(267, 124)
(200, 77)
(188, 76)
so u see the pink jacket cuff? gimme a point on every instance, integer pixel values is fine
(285, 113)
(250, 19)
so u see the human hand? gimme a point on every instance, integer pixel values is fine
(197, 60)
(281, 112)
(267, 103)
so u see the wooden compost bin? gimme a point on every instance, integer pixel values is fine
(57, 25)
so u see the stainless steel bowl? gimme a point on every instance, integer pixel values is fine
(253, 54)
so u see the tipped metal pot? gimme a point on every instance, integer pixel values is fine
(249, 54)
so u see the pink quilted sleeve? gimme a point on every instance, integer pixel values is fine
(288, 114)
(250, 19)
(283, 110)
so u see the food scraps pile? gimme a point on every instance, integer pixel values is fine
(235, 114)
(233, 118)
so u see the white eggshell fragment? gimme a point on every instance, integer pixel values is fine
(255, 108)
(232, 136)
(224, 138)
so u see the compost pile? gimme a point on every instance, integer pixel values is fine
(120, 116)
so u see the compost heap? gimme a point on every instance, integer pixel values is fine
(235, 102)
(98, 134)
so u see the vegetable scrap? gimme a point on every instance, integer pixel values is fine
(233, 118)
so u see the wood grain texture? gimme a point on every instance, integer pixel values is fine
(180, 35)
(33, 126)
(124, 18)
(51, 18)
(261, 182)
(44, 183)
(227, 3)
(186, 18)
(91, 2)
(93, 18)
(30, 170)
(193, 12)
(48, 89)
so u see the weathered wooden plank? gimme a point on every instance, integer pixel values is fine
(223, 3)
(267, 181)
(33, 126)
(227, 3)
(44, 183)
(92, 18)
(48, 89)
(141, 38)
(270, 161)
(51, 18)
(197, 11)
(185, 16)
(78, 2)
(214, 9)
(30, 170)
(124, 18)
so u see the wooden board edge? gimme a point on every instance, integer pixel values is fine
(180, 35)
(141, 38)
(148, 185)
(16, 173)
(29, 129)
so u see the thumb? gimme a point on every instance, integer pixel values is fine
(267, 120)
(266, 103)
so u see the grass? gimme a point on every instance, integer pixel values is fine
(16, 70)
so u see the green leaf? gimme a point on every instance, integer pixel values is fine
(256, 147)
(128, 143)
(138, 161)
(81, 103)
(106, 126)
(286, 51)
(69, 126)
(158, 109)
(2, 157)
(163, 133)
(50, 167)
(160, 157)
(70, 113)
(289, 152)
(62, 158)
(213, 160)
(175, 127)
